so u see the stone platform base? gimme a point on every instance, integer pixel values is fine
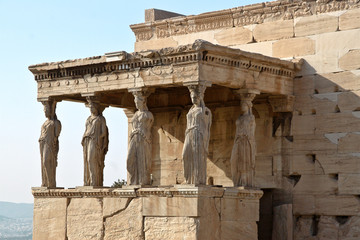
(173, 212)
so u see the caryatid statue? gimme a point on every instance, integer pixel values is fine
(197, 137)
(49, 144)
(139, 151)
(243, 153)
(95, 143)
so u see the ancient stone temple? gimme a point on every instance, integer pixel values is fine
(243, 124)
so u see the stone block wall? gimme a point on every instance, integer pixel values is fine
(315, 172)
(177, 212)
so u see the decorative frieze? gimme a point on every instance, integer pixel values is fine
(239, 16)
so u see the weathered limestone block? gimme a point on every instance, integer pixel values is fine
(155, 44)
(326, 106)
(209, 210)
(49, 218)
(303, 106)
(340, 205)
(325, 83)
(336, 123)
(167, 171)
(349, 143)
(318, 143)
(304, 228)
(350, 229)
(303, 164)
(303, 124)
(303, 86)
(85, 219)
(174, 228)
(349, 101)
(263, 165)
(113, 205)
(153, 14)
(305, 26)
(328, 228)
(283, 222)
(349, 183)
(234, 36)
(273, 30)
(316, 184)
(234, 230)
(335, 163)
(335, 44)
(170, 206)
(349, 20)
(293, 47)
(303, 204)
(318, 64)
(264, 48)
(127, 224)
(334, 82)
(351, 60)
(239, 210)
(190, 38)
(267, 182)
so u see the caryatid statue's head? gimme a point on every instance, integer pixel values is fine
(197, 94)
(96, 108)
(140, 101)
(49, 109)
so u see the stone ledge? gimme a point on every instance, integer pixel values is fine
(166, 191)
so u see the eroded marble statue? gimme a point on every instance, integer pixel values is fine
(95, 143)
(49, 145)
(243, 153)
(139, 151)
(197, 137)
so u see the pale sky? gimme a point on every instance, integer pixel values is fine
(38, 31)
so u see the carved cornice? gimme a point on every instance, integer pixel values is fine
(176, 191)
(240, 16)
(154, 61)
(243, 193)
(167, 67)
(83, 192)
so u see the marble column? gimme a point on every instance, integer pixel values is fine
(139, 150)
(197, 135)
(244, 150)
(49, 144)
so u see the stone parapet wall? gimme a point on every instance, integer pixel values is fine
(177, 212)
(237, 17)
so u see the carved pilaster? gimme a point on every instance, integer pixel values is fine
(139, 151)
(95, 142)
(244, 150)
(197, 135)
(49, 144)
(282, 107)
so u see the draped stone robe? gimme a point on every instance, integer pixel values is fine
(139, 152)
(196, 144)
(243, 153)
(95, 145)
(49, 148)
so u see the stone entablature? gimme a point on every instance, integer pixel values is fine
(239, 16)
(75, 79)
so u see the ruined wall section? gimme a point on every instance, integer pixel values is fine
(322, 160)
